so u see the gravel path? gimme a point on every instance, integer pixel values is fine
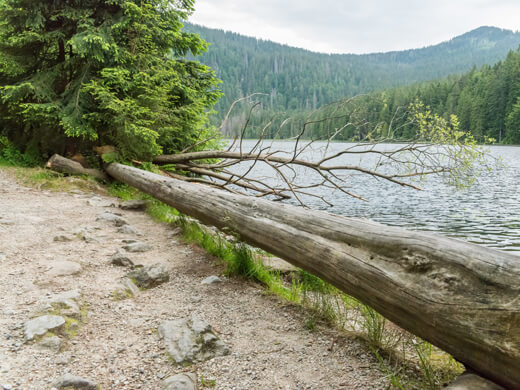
(117, 344)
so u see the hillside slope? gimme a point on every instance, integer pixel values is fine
(299, 79)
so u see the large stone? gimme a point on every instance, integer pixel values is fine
(211, 280)
(127, 229)
(126, 289)
(149, 276)
(133, 205)
(130, 286)
(75, 382)
(186, 381)
(63, 238)
(67, 303)
(85, 235)
(121, 259)
(137, 247)
(63, 268)
(52, 344)
(113, 218)
(41, 325)
(97, 201)
(191, 340)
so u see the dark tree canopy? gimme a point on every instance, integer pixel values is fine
(74, 74)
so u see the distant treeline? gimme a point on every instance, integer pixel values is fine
(486, 101)
(298, 81)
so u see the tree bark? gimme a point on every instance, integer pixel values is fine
(459, 296)
(64, 165)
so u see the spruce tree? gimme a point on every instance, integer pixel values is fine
(76, 73)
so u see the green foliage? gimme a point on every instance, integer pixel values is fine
(78, 73)
(309, 282)
(513, 124)
(10, 155)
(207, 382)
(296, 81)
(392, 373)
(124, 191)
(374, 325)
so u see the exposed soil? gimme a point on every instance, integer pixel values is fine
(117, 346)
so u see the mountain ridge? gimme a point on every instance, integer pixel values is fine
(299, 79)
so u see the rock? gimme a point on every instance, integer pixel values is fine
(133, 205)
(191, 340)
(86, 236)
(211, 280)
(89, 238)
(63, 268)
(97, 201)
(66, 303)
(2, 257)
(76, 382)
(113, 218)
(41, 325)
(149, 276)
(120, 259)
(130, 286)
(137, 247)
(126, 289)
(52, 344)
(127, 229)
(186, 381)
(469, 381)
(231, 238)
(64, 358)
(63, 238)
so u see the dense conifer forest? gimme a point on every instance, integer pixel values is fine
(297, 82)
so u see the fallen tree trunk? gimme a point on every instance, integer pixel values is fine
(64, 165)
(459, 296)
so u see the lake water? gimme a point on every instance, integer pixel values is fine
(487, 213)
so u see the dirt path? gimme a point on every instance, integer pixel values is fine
(117, 346)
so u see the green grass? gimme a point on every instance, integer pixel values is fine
(207, 382)
(38, 177)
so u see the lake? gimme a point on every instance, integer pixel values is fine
(486, 213)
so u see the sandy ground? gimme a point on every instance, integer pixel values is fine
(118, 346)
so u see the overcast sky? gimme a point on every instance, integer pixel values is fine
(356, 26)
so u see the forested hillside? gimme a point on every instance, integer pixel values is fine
(485, 98)
(486, 102)
(297, 79)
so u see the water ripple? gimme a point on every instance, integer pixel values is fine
(488, 213)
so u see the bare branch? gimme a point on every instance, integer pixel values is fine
(303, 167)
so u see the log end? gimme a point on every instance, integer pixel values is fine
(64, 165)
